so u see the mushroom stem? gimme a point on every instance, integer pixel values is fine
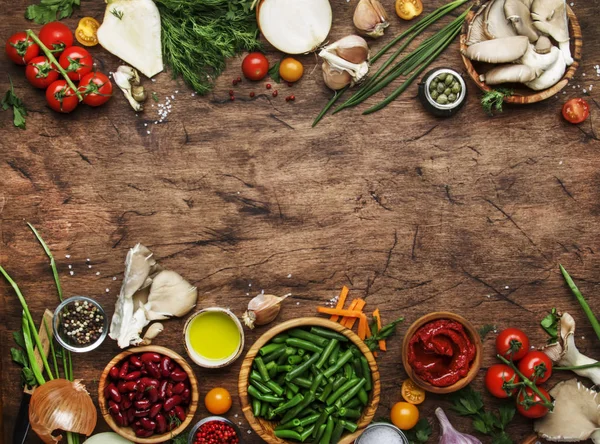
(526, 381)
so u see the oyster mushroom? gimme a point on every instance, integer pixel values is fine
(565, 353)
(519, 16)
(504, 50)
(153, 331)
(495, 24)
(551, 76)
(170, 296)
(576, 414)
(543, 45)
(550, 17)
(540, 62)
(475, 32)
(509, 73)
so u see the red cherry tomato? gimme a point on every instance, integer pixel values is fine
(77, 61)
(56, 36)
(512, 343)
(576, 110)
(21, 49)
(40, 72)
(61, 98)
(530, 405)
(255, 66)
(496, 379)
(96, 89)
(537, 366)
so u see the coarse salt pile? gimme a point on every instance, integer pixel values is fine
(380, 434)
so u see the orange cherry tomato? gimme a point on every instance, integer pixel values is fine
(412, 393)
(290, 69)
(408, 9)
(87, 31)
(404, 415)
(218, 401)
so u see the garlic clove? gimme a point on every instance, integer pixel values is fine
(370, 18)
(335, 79)
(262, 309)
(352, 48)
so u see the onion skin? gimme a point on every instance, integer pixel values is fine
(60, 404)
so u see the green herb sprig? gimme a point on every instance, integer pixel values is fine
(50, 10)
(492, 100)
(550, 325)
(117, 13)
(11, 100)
(486, 330)
(420, 433)
(379, 335)
(274, 72)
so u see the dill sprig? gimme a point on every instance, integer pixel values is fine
(117, 13)
(199, 35)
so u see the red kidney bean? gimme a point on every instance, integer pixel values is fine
(169, 389)
(162, 389)
(180, 413)
(119, 419)
(113, 407)
(141, 413)
(121, 387)
(139, 396)
(133, 376)
(185, 396)
(130, 386)
(161, 424)
(155, 410)
(178, 375)
(148, 424)
(135, 361)
(143, 433)
(131, 395)
(140, 387)
(149, 381)
(165, 366)
(114, 372)
(130, 415)
(153, 369)
(124, 370)
(178, 388)
(150, 357)
(172, 425)
(172, 402)
(125, 404)
(142, 404)
(111, 391)
(152, 394)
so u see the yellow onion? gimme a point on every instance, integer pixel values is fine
(61, 405)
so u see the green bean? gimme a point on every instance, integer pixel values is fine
(300, 369)
(262, 369)
(289, 395)
(326, 438)
(255, 376)
(299, 429)
(353, 403)
(326, 353)
(264, 409)
(337, 432)
(288, 434)
(326, 391)
(349, 413)
(275, 355)
(293, 360)
(357, 368)
(310, 337)
(306, 357)
(334, 354)
(308, 399)
(288, 425)
(340, 380)
(329, 334)
(309, 419)
(303, 382)
(271, 369)
(348, 370)
(280, 380)
(262, 397)
(366, 373)
(339, 364)
(352, 392)
(320, 431)
(279, 339)
(275, 387)
(306, 433)
(284, 368)
(304, 345)
(297, 399)
(301, 352)
(363, 397)
(343, 390)
(349, 425)
(256, 405)
(260, 386)
(316, 383)
(283, 359)
(270, 348)
(293, 387)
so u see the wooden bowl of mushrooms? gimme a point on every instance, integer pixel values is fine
(148, 394)
(529, 48)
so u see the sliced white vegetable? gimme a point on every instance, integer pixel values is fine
(131, 31)
(294, 26)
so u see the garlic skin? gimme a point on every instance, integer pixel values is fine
(352, 48)
(370, 18)
(449, 435)
(346, 62)
(262, 309)
(334, 78)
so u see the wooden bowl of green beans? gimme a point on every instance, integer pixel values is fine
(309, 379)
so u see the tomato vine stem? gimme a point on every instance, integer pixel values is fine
(526, 381)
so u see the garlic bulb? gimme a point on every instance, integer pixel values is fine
(449, 434)
(370, 18)
(61, 405)
(262, 309)
(345, 62)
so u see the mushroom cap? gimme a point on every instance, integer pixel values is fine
(543, 45)
(550, 17)
(551, 76)
(576, 413)
(170, 295)
(519, 16)
(502, 50)
(540, 62)
(475, 32)
(509, 73)
(495, 24)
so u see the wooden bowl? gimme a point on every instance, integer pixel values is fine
(523, 95)
(127, 432)
(471, 332)
(264, 428)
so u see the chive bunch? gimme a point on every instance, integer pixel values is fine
(314, 382)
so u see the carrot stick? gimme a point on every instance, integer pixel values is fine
(345, 319)
(362, 327)
(341, 302)
(341, 312)
(360, 304)
(382, 344)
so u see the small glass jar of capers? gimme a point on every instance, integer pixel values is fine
(442, 91)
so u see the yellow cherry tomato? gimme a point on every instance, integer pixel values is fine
(290, 69)
(404, 415)
(218, 401)
(412, 393)
(408, 9)
(87, 31)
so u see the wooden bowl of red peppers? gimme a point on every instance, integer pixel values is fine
(441, 352)
(148, 394)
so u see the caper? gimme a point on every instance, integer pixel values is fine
(434, 94)
(433, 85)
(456, 88)
(441, 87)
(442, 99)
(442, 77)
(447, 91)
(449, 80)
(451, 97)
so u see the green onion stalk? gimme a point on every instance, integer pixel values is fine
(584, 305)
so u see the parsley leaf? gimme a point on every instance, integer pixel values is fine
(420, 433)
(386, 331)
(550, 325)
(274, 72)
(19, 111)
(50, 10)
(485, 330)
(19, 357)
(492, 100)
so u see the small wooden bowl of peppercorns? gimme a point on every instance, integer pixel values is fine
(215, 429)
(80, 324)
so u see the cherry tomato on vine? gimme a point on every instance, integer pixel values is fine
(87, 31)
(290, 69)
(77, 61)
(404, 415)
(56, 36)
(512, 343)
(96, 89)
(530, 405)
(61, 98)
(576, 110)
(21, 49)
(40, 72)
(408, 9)
(255, 66)
(218, 401)
(496, 378)
(537, 366)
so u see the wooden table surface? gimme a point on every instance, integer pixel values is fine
(470, 214)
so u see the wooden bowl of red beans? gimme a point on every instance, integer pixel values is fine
(148, 394)
(215, 430)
